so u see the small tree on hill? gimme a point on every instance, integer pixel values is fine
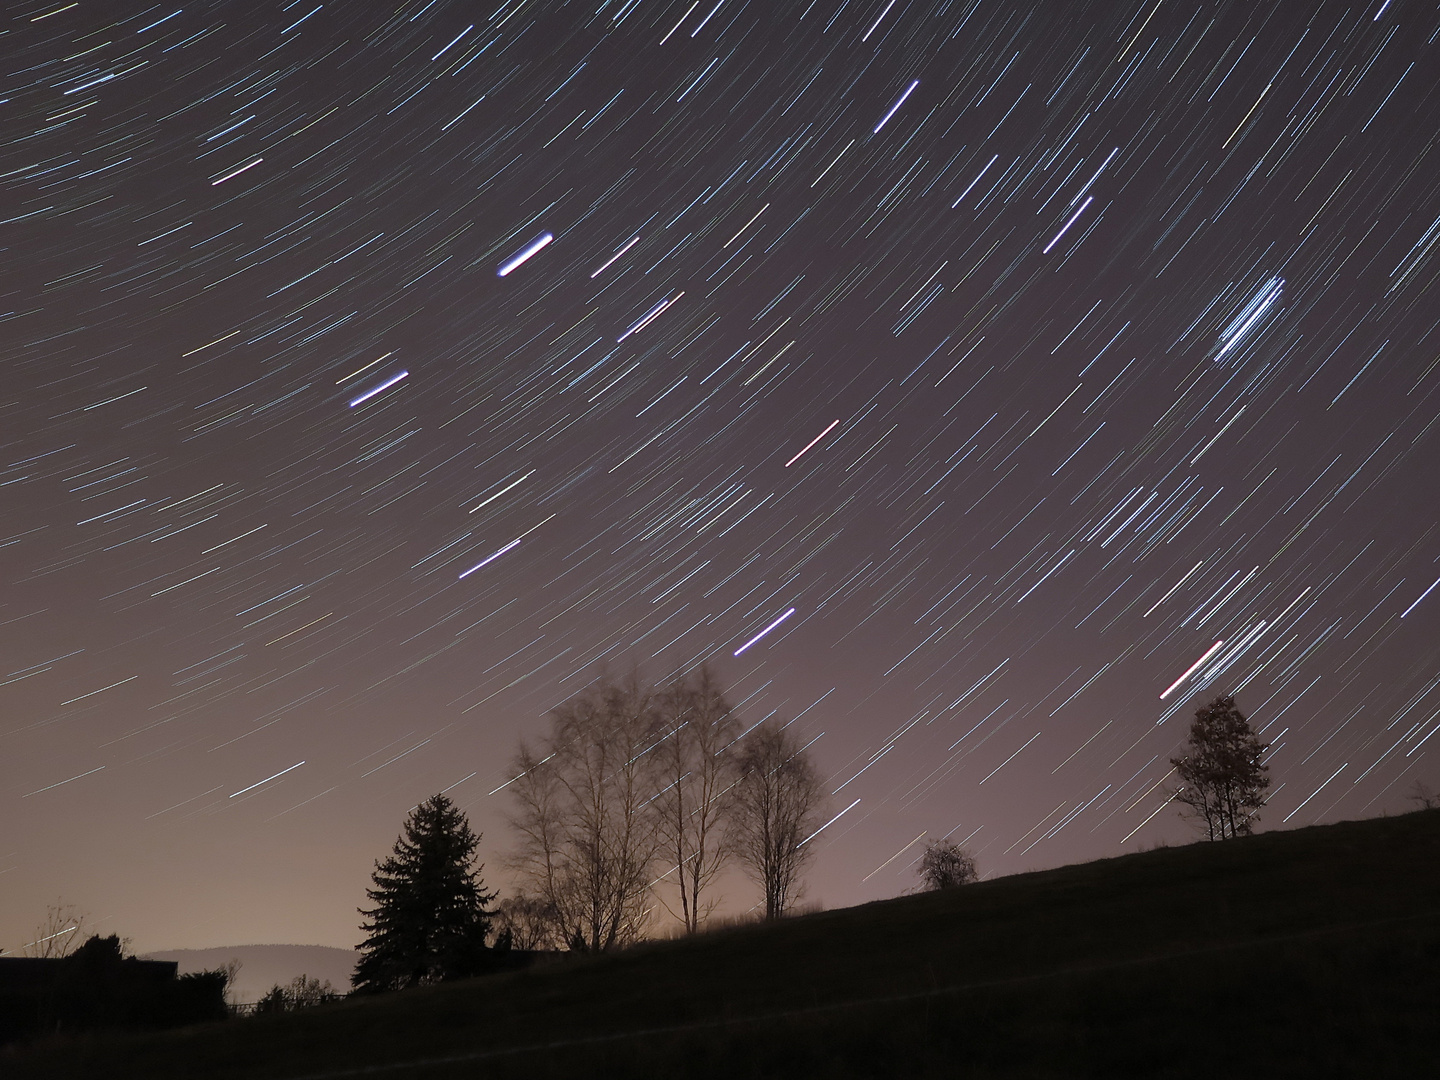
(945, 865)
(431, 915)
(302, 992)
(1221, 779)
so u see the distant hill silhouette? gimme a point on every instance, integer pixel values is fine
(262, 966)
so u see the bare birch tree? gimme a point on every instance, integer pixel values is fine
(696, 778)
(540, 857)
(778, 802)
(588, 837)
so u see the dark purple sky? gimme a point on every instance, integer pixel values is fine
(1107, 331)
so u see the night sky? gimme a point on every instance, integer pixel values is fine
(376, 374)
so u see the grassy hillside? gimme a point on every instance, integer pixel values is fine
(1308, 953)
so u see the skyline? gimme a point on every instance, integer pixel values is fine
(980, 388)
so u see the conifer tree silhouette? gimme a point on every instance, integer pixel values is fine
(432, 912)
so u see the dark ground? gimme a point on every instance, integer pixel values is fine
(1311, 953)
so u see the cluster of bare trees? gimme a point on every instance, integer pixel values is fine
(643, 792)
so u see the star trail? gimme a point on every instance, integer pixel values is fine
(952, 374)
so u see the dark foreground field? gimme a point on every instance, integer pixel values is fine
(1313, 953)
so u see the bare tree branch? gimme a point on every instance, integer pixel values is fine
(1423, 797)
(61, 933)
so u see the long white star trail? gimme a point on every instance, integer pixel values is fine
(769, 626)
(386, 385)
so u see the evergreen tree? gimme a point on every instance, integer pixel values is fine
(1222, 781)
(431, 916)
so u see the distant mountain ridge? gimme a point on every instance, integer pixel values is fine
(262, 966)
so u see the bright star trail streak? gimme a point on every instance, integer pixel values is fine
(523, 256)
(489, 559)
(1066, 227)
(236, 172)
(972, 183)
(895, 108)
(812, 442)
(1192, 669)
(282, 772)
(513, 484)
(379, 389)
(603, 266)
(1007, 353)
(827, 824)
(762, 633)
(1422, 596)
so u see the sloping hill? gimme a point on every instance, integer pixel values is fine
(263, 966)
(1306, 953)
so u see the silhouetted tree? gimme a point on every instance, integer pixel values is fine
(431, 915)
(588, 838)
(1221, 778)
(945, 865)
(526, 922)
(696, 787)
(302, 992)
(230, 969)
(99, 986)
(777, 807)
(61, 932)
(1423, 797)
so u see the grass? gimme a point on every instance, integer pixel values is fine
(1308, 953)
